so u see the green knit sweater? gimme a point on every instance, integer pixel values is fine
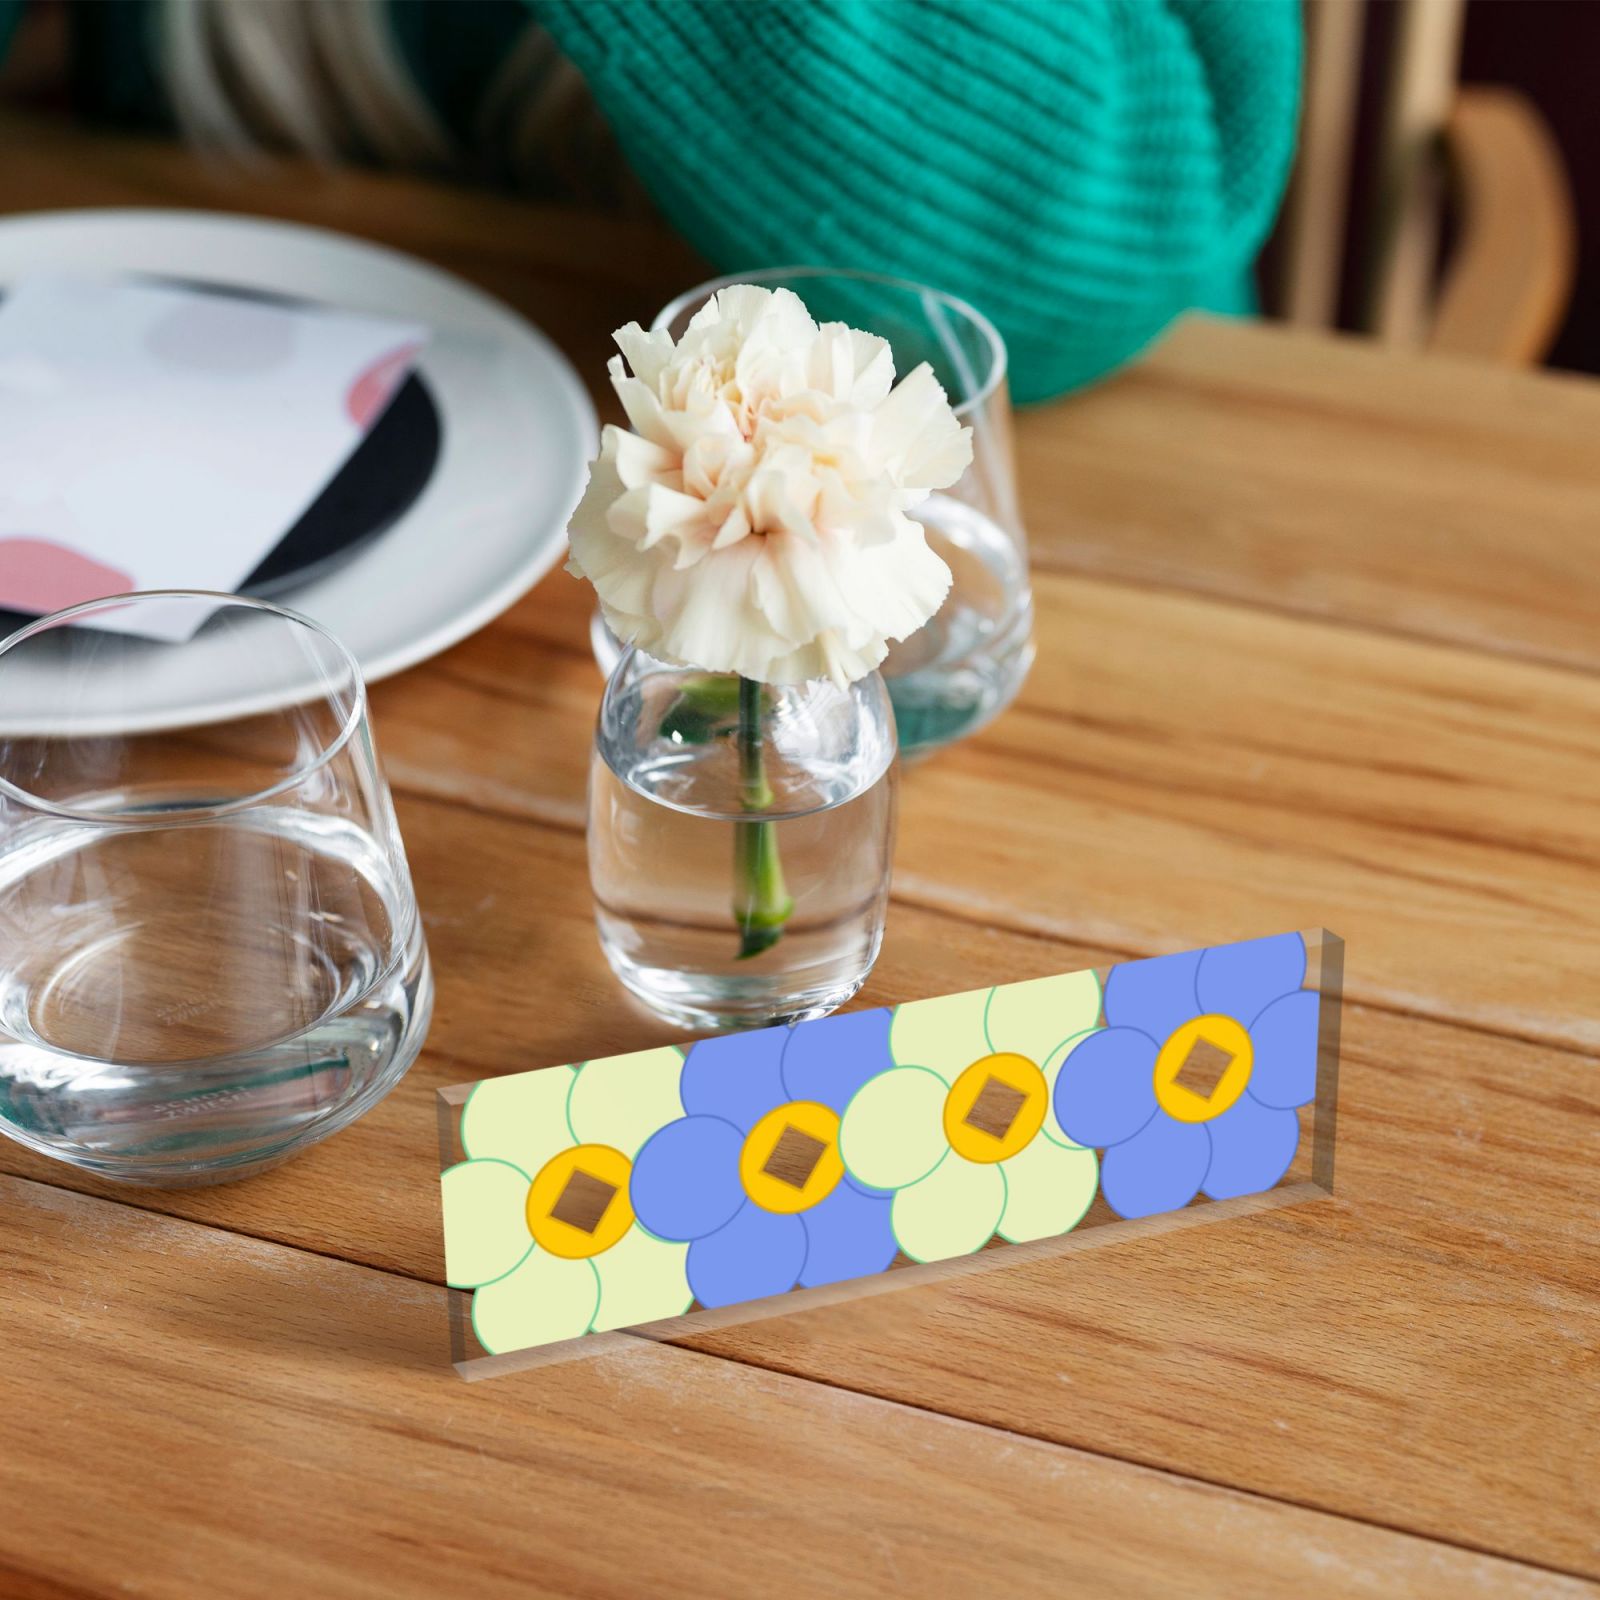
(1082, 170)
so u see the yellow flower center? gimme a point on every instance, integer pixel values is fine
(578, 1205)
(995, 1107)
(790, 1161)
(1203, 1068)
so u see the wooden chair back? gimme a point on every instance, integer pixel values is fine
(1481, 157)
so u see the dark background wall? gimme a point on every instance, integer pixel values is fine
(1550, 49)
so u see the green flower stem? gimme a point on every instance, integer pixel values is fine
(704, 707)
(761, 903)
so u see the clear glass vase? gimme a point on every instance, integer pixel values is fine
(740, 839)
(210, 953)
(966, 664)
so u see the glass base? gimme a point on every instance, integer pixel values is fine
(705, 1004)
(219, 1134)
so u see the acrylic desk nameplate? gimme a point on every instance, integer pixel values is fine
(688, 1188)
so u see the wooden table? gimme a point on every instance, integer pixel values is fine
(1319, 643)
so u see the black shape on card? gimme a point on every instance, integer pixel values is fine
(381, 481)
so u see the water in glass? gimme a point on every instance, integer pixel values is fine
(210, 953)
(665, 814)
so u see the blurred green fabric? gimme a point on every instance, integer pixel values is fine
(1081, 170)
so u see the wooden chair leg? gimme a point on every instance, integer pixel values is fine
(1508, 282)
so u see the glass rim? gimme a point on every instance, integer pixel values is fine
(871, 684)
(997, 345)
(291, 780)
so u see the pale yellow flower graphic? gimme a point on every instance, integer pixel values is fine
(538, 1220)
(962, 1126)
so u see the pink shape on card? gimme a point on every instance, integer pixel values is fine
(37, 575)
(375, 388)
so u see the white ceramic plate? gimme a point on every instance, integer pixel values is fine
(518, 428)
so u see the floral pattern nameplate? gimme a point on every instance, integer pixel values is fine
(637, 1188)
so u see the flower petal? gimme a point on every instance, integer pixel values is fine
(828, 1060)
(893, 580)
(1154, 996)
(737, 1077)
(892, 1132)
(545, 1299)
(1251, 1148)
(1048, 1189)
(758, 422)
(756, 1254)
(917, 431)
(642, 407)
(685, 1181)
(944, 1035)
(1240, 980)
(1034, 1018)
(851, 365)
(641, 1280)
(1159, 1169)
(951, 1212)
(1284, 1046)
(521, 1119)
(650, 516)
(1105, 1088)
(847, 1236)
(485, 1221)
(793, 579)
(595, 549)
(647, 353)
(639, 463)
(705, 617)
(1051, 1068)
(622, 1100)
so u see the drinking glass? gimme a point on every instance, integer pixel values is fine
(715, 916)
(966, 664)
(210, 953)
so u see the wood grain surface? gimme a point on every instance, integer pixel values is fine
(1318, 643)
(279, 1423)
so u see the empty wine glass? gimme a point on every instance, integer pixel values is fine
(210, 953)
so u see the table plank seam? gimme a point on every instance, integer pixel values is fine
(895, 1403)
(1221, 392)
(28, 1583)
(1509, 650)
(532, 813)
(989, 918)
(1052, 565)
(1055, 762)
(1168, 1472)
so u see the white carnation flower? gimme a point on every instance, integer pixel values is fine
(755, 519)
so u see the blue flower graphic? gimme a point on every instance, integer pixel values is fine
(751, 1175)
(1235, 1015)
